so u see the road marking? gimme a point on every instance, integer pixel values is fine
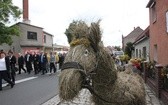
(19, 81)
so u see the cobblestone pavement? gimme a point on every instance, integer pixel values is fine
(151, 98)
(84, 99)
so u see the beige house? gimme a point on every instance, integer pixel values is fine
(131, 37)
(32, 38)
(60, 48)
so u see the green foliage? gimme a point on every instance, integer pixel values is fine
(6, 33)
(8, 11)
(129, 48)
(124, 57)
(118, 48)
(165, 71)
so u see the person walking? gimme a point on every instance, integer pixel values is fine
(4, 69)
(12, 59)
(43, 62)
(61, 59)
(36, 63)
(21, 63)
(28, 60)
(52, 62)
(47, 64)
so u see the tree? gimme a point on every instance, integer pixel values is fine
(129, 48)
(117, 48)
(8, 11)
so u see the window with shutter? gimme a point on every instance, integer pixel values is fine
(167, 21)
(31, 35)
(44, 38)
(153, 15)
(137, 53)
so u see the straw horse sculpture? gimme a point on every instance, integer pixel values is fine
(88, 65)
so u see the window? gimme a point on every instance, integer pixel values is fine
(155, 53)
(44, 38)
(144, 52)
(136, 53)
(32, 35)
(139, 53)
(153, 13)
(167, 21)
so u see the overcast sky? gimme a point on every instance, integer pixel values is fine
(118, 16)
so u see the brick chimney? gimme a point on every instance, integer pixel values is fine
(26, 12)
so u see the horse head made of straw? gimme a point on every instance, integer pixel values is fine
(88, 65)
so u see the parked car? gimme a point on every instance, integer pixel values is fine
(117, 54)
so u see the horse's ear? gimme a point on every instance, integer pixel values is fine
(76, 30)
(69, 35)
(95, 35)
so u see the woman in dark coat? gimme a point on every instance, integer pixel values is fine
(36, 63)
(4, 69)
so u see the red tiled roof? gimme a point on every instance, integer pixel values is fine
(134, 33)
(143, 34)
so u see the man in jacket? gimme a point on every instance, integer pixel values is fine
(28, 60)
(12, 59)
(43, 62)
(21, 63)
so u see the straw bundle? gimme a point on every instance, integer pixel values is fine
(70, 84)
(118, 88)
(70, 80)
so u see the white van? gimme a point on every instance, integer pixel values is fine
(117, 54)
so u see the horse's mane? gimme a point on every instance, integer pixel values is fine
(105, 68)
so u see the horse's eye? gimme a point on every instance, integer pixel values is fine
(86, 52)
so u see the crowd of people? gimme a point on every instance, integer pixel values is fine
(37, 62)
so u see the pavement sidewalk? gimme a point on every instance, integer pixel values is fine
(84, 99)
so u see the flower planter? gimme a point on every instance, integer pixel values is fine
(165, 82)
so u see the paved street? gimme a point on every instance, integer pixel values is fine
(30, 90)
(83, 99)
(43, 90)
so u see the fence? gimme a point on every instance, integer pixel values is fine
(156, 76)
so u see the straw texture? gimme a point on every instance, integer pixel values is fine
(118, 88)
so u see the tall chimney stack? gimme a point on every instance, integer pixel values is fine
(26, 12)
